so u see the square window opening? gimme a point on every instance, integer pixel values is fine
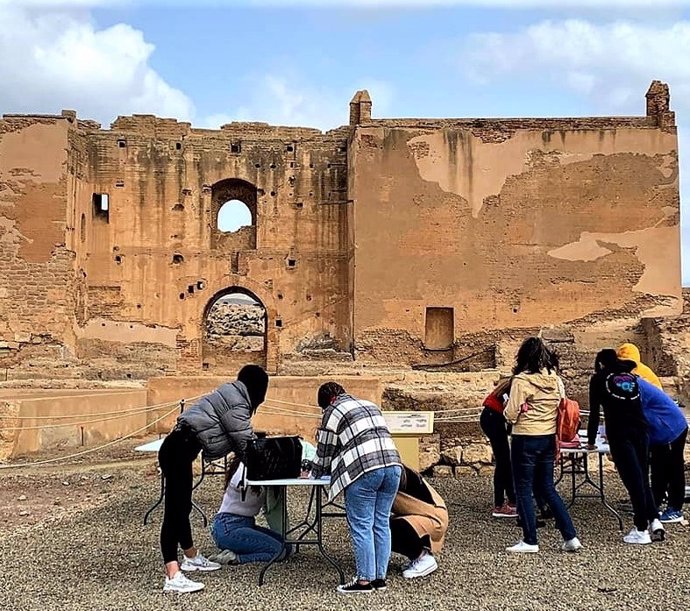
(439, 329)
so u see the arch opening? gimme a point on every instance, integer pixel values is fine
(234, 332)
(234, 218)
(233, 215)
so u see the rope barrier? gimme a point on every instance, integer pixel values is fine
(91, 450)
(64, 417)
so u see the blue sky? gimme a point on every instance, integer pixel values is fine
(300, 62)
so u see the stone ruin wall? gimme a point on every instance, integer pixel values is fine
(392, 242)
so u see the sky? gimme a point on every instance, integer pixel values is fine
(299, 62)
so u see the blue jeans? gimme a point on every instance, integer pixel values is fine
(241, 535)
(368, 503)
(533, 457)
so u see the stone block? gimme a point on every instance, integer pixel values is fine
(465, 471)
(477, 453)
(442, 471)
(453, 456)
(486, 471)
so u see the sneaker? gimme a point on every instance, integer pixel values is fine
(523, 548)
(671, 516)
(379, 585)
(421, 567)
(658, 532)
(181, 584)
(637, 537)
(572, 545)
(198, 563)
(354, 587)
(504, 511)
(225, 556)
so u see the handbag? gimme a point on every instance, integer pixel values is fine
(274, 458)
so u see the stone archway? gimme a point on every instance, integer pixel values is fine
(234, 331)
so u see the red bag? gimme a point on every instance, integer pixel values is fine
(568, 423)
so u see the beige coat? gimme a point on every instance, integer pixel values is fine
(425, 518)
(533, 403)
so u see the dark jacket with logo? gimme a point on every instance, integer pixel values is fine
(222, 421)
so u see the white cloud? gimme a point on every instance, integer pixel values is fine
(51, 60)
(610, 64)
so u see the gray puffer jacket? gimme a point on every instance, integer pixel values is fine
(221, 421)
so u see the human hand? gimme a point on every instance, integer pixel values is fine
(305, 474)
(591, 446)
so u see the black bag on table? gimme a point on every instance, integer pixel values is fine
(274, 458)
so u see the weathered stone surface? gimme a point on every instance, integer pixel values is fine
(429, 451)
(477, 453)
(443, 471)
(453, 456)
(465, 471)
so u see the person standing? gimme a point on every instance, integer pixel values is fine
(615, 389)
(218, 424)
(535, 395)
(630, 352)
(354, 445)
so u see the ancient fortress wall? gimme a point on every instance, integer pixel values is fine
(385, 241)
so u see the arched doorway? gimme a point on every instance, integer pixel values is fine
(234, 331)
(233, 215)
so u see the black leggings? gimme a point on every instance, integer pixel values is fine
(176, 456)
(406, 541)
(667, 464)
(496, 429)
(630, 455)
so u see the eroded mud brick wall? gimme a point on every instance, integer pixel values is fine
(468, 228)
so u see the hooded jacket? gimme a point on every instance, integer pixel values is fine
(631, 352)
(540, 394)
(666, 420)
(222, 421)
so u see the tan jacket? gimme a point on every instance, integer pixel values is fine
(425, 518)
(541, 394)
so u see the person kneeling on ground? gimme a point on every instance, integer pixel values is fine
(617, 390)
(418, 524)
(356, 447)
(234, 528)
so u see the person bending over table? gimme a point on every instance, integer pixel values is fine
(234, 528)
(418, 524)
(218, 424)
(617, 390)
(355, 446)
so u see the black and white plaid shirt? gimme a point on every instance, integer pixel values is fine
(352, 440)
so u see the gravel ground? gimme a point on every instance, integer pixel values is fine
(93, 553)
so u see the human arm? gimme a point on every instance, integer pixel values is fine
(236, 423)
(518, 396)
(327, 444)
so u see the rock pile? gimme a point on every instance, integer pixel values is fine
(236, 326)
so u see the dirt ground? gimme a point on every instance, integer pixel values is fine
(74, 540)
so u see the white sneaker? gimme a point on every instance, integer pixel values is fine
(637, 537)
(658, 530)
(572, 545)
(523, 548)
(225, 556)
(181, 584)
(421, 567)
(198, 563)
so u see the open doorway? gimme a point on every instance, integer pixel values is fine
(234, 332)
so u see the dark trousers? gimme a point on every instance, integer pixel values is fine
(406, 541)
(630, 455)
(533, 457)
(496, 428)
(176, 456)
(667, 464)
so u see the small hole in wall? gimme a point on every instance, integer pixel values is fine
(182, 295)
(257, 165)
(311, 165)
(178, 145)
(201, 285)
(279, 323)
(122, 143)
(205, 366)
(190, 289)
(280, 295)
(118, 259)
(291, 262)
(272, 166)
(289, 148)
(515, 309)
(273, 193)
(102, 324)
(177, 259)
(138, 306)
(311, 194)
(318, 314)
(299, 205)
(309, 297)
(292, 164)
(129, 376)
(178, 207)
(131, 326)
(235, 148)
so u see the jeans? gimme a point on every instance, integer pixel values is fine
(368, 503)
(241, 535)
(496, 428)
(630, 455)
(533, 457)
(668, 472)
(178, 452)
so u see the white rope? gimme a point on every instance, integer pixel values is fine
(90, 450)
(64, 416)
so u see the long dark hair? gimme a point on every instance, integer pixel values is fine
(533, 356)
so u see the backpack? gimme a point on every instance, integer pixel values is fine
(568, 423)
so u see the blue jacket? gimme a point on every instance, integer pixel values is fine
(666, 420)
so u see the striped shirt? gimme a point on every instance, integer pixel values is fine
(353, 439)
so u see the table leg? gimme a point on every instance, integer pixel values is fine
(603, 496)
(158, 502)
(319, 535)
(284, 534)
